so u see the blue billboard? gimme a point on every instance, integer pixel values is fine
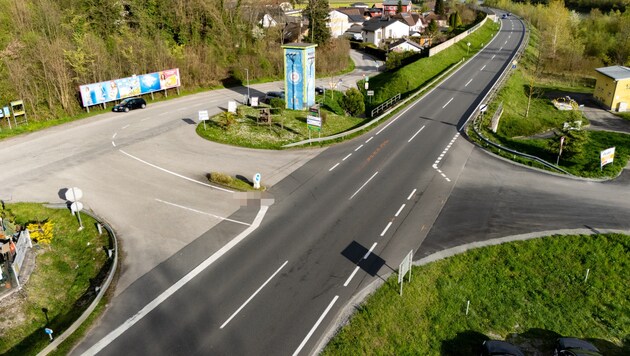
(299, 75)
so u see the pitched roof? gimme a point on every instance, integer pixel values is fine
(354, 14)
(376, 23)
(395, 2)
(615, 72)
(403, 40)
(409, 19)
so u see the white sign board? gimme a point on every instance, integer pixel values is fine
(405, 266)
(76, 206)
(232, 106)
(483, 108)
(370, 93)
(257, 178)
(314, 121)
(253, 101)
(367, 85)
(74, 194)
(607, 156)
(203, 115)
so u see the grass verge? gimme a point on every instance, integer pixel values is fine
(63, 281)
(529, 292)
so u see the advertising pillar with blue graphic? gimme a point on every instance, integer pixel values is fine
(299, 75)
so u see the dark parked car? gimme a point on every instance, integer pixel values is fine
(500, 348)
(319, 90)
(273, 94)
(130, 104)
(568, 346)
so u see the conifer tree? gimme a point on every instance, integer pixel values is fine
(317, 14)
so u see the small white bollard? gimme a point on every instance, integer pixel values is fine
(467, 306)
(256, 180)
(586, 278)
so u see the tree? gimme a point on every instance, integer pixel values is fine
(574, 139)
(399, 7)
(432, 29)
(454, 20)
(353, 102)
(439, 7)
(317, 14)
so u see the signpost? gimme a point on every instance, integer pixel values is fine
(256, 179)
(560, 151)
(49, 332)
(203, 117)
(232, 106)
(606, 156)
(313, 120)
(405, 266)
(74, 194)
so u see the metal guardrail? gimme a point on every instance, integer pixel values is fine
(492, 95)
(387, 103)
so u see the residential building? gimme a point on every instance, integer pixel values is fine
(612, 87)
(390, 7)
(378, 29)
(405, 45)
(413, 20)
(340, 20)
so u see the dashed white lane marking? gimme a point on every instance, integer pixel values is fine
(386, 228)
(437, 161)
(124, 127)
(494, 55)
(500, 49)
(482, 68)
(505, 42)
(364, 184)
(113, 143)
(468, 83)
(399, 210)
(346, 157)
(201, 212)
(114, 136)
(175, 287)
(253, 295)
(411, 195)
(310, 333)
(448, 102)
(367, 254)
(356, 269)
(333, 167)
(173, 173)
(416, 134)
(358, 148)
(369, 139)
(148, 118)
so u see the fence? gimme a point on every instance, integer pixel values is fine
(387, 103)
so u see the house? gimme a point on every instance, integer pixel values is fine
(340, 20)
(612, 87)
(374, 12)
(267, 21)
(405, 45)
(441, 21)
(413, 20)
(390, 7)
(376, 30)
(361, 5)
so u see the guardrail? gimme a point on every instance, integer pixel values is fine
(387, 103)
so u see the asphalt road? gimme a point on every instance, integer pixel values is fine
(339, 222)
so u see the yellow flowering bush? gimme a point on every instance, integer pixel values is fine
(41, 232)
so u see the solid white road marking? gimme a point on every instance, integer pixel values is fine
(386, 228)
(410, 195)
(399, 210)
(447, 103)
(201, 212)
(364, 184)
(369, 251)
(468, 82)
(113, 143)
(253, 295)
(333, 167)
(369, 139)
(351, 276)
(310, 333)
(173, 173)
(175, 287)
(416, 134)
(358, 148)
(114, 135)
(124, 127)
(346, 157)
(484, 67)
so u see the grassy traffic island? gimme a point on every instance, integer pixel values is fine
(69, 265)
(528, 292)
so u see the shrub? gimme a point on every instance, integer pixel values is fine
(277, 103)
(221, 178)
(41, 232)
(333, 102)
(353, 102)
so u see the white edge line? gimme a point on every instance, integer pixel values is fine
(369, 139)
(333, 167)
(101, 344)
(113, 143)
(410, 195)
(416, 134)
(253, 295)
(400, 210)
(369, 251)
(310, 333)
(386, 228)
(175, 174)
(364, 184)
(201, 212)
(346, 157)
(351, 276)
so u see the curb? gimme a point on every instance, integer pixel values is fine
(103, 288)
(343, 316)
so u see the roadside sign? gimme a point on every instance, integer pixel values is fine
(232, 106)
(483, 108)
(405, 266)
(367, 85)
(203, 115)
(514, 64)
(370, 93)
(607, 156)
(314, 121)
(76, 206)
(74, 194)
(257, 178)
(253, 101)
(49, 332)
(7, 113)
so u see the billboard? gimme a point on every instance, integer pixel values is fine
(607, 156)
(299, 75)
(103, 92)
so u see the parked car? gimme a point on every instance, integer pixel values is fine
(130, 104)
(319, 90)
(273, 94)
(568, 346)
(499, 348)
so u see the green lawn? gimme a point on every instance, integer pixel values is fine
(528, 292)
(288, 126)
(62, 281)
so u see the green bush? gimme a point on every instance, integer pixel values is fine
(277, 103)
(353, 102)
(333, 102)
(221, 178)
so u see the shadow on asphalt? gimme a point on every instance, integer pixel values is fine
(356, 252)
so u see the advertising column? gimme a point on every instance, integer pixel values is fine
(299, 75)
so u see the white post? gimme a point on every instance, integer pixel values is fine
(586, 278)
(467, 306)
(401, 284)
(247, 72)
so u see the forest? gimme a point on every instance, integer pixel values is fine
(50, 47)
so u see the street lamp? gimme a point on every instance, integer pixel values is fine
(248, 97)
